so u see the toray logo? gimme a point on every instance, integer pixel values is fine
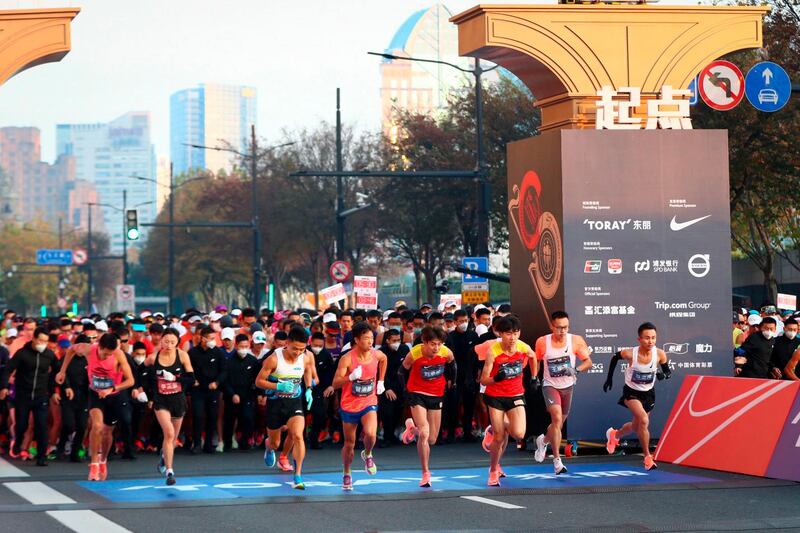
(606, 225)
(615, 266)
(675, 348)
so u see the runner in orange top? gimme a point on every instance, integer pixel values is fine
(504, 394)
(360, 375)
(432, 369)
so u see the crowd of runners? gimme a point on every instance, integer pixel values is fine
(85, 389)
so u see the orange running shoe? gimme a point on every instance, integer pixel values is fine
(102, 472)
(426, 480)
(284, 464)
(487, 439)
(649, 464)
(323, 436)
(337, 436)
(494, 478)
(612, 440)
(94, 472)
(409, 434)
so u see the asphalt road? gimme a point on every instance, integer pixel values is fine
(236, 492)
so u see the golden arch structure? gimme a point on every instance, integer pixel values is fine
(33, 37)
(565, 53)
(617, 227)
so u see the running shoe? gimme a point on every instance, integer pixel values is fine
(103, 471)
(25, 455)
(649, 463)
(284, 464)
(162, 466)
(558, 466)
(337, 436)
(269, 457)
(409, 434)
(170, 477)
(494, 478)
(369, 463)
(426, 480)
(347, 482)
(94, 472)
(487, 439)
(12, 453)
(541, 449)
(298, 483)
(612, 441)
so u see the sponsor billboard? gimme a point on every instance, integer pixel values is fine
(644, 227)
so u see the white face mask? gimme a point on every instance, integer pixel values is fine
(211, 344)
(40, 347)
(462, 327)
(768, 334)
(241, 353)
(139, 360)
(451, 329)
(790, 334)
(316, 349)
(394, 346)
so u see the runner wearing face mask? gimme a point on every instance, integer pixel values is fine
(462, 342)
(240, 395)
(323, 392)
(141, 410)
(74, 405)
(390, 405)
(785, 346)
(208, 363)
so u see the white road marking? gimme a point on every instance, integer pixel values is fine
(87, 522)
(9, 470)
(496, 503)
(38, 493)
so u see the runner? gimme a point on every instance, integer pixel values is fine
(173, 375)
(281, 376)
(432, 367)
(646, 362)
(558, 351)
(505, 392)
(356, 375)
(109, 373)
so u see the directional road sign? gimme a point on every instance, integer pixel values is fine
(53, 257)
(721, 85)
(474, 263)
(695, 95)
(767, 86)
(341, 271)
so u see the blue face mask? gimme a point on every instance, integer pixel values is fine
(308, 330)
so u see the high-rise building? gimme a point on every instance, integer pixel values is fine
(31, 189)
(416, 86)
(110, 155)
(210, 115)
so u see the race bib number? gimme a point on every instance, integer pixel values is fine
(363, 387)
(512, 369)
(101, 382)
(432, 372)
(168, 387)
(642, 378)
(558, 366)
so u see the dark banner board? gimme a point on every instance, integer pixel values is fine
(618, 228)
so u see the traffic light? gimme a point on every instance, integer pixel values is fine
(43, 311)
(271, 296)
(132, 225)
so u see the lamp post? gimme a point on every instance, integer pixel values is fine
(484, 187)
(253, 159)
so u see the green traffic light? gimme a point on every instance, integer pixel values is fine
(133, 234)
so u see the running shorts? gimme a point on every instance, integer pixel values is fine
(355, 418)
(280, 410)
(504, 403)
(174, 403)
(111, 406)
(647, 397)
(431, 403)
(562, 397)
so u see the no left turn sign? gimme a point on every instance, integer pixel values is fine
(721, 85)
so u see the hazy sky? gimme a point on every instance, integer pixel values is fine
(131, 55)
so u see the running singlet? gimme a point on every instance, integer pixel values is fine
(162, 385)
(513, 365)
(287, 372)
(427, 373)
(359, 394)
(557, 362)
(102, 372)
(642, 377)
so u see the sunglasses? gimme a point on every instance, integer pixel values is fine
(92, 338)
(741, 323)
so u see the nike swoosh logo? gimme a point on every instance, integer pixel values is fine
(674, 225)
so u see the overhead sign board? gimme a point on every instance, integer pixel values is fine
(53, 257)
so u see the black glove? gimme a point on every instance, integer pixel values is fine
(535, 384)
(500, 376)
(608, 384)
(665, 370)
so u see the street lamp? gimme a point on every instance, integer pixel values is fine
(484, 189)
(253, 157)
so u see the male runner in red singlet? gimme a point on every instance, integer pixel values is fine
(109, 373)
(360, 375)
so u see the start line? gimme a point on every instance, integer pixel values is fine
(386, 482)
